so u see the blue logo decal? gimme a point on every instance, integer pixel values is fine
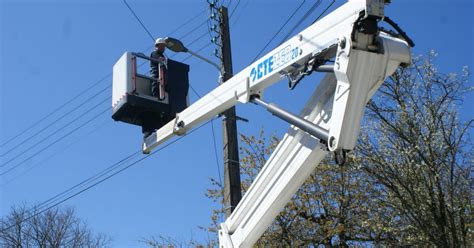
(273, 62)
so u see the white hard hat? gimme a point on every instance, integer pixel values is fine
(160, 41)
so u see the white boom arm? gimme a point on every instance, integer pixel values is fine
(363, 59)
(298, 154)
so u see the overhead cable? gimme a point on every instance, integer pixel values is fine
(279, 30)
(50, 206)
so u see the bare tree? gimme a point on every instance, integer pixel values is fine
(55, 227)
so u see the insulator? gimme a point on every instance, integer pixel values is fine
(215, 39)
(214, 16)
(211, 2)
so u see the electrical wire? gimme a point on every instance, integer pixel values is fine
(83, 103)
(46, 203)
(188, 57)
(138, 19)
(301, 20)
(96, 176)
(56, 141)
(233, 10)
(186, 23)
(192, 88)
(63, 137)
(242, 11)
(90, 87)
(89, 109)
(215, 153)
(212, 123)
(88, 112)
(193, 30)
(91, 178)
(327, 8)
(213, 130)
(279, 30)
(62, 149)
(56, 131)
(56, 120)
(228, 4)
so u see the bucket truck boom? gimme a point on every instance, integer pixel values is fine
(364, 56)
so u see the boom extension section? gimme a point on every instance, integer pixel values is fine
(348, 34)
(363, 55)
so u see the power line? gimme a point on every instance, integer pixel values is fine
(279, 30)
(241, 11)
(100, 181)
(329, 6)
(212, 122)
(108, 169)
(90, 87)
(63, 148)
(200, 37)
(215, 153)
(56, 131)
(228, 4)
(233, 10)
(193, 30)
(57, 120)
(138, 19)
(188, 57)
(71, 122)
(195, 92)
(187, 22)
(104, 179)
(212, 127)
(90, 179)
(56, 141)
(302, 19)
(78, 106)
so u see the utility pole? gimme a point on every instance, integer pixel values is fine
(232, 189)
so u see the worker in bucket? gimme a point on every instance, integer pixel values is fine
(158, 68)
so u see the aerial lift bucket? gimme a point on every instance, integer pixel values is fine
(132, 100)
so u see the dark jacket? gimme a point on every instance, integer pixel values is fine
(153, 64)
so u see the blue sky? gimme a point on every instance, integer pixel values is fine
(52, 50)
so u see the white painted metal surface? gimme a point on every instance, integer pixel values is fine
(293, 160)
(333, 107)
(337, 105)
(125, 82)
(122, 78)
(260, 75)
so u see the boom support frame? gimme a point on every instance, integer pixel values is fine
(364, 57)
